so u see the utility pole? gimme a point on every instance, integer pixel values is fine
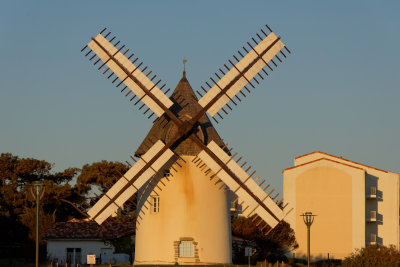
(37, 191)
(248, 251)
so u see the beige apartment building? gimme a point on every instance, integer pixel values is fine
(356, 205)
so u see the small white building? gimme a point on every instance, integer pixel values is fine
(72, 241)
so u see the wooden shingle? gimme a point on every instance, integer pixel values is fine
(185, 107)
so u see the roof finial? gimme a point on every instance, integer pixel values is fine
(184, 67)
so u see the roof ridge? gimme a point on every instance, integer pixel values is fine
(341, 159)
(309, 162)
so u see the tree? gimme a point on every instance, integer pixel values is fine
(102, 174)
(373, 255)
(16, 177)
(271, 247)
(17, 206)
(97, 178)
(28, 219)
(61, 200)
(123, 245)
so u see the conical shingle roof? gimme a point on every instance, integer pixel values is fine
(185, 107)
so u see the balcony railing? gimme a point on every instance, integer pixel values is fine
(372, 216)
(372, 239)
(372, 192)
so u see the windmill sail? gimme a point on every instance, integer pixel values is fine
(226, 88)
(129, 183)
(241, 74)
(252, 196)
(130, 75)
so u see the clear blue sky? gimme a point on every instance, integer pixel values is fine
(338, 92)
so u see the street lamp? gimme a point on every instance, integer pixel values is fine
(308, 219)
(37, 191)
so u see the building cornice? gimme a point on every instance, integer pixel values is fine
(320, 159)
(340, 159)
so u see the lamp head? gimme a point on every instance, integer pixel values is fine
(37, 189)
(308, 218)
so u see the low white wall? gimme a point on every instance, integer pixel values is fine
(57, 249)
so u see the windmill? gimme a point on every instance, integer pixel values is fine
(183, 214)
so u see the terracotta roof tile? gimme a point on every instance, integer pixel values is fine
(89, 230)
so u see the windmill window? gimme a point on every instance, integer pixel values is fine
(186, 249)
(156, 204)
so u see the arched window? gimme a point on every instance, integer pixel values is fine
(186, 249)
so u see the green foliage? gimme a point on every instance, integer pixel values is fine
(374, 255)
(16, 177)
(102, 174)
(14, 232)
(28, 219)
(325, 263)
(271, 247)
(122, 245)
(174, 265)
(17, 205)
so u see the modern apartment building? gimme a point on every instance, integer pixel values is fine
(356, 205)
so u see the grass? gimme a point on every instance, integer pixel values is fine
(220, 265)
(126, 265)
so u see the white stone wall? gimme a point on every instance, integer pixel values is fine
(192, 208)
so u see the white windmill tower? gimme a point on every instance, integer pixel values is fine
(183, 213)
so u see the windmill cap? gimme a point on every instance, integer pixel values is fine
(185, 107)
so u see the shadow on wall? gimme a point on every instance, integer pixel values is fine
(372, 215)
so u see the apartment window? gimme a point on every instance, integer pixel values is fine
(186, 249)
(156, 204)
(373, 238)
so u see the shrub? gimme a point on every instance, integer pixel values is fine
(327, 263)
(374, 255)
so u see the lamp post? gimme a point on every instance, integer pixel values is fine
(37, 192)
(308, 219)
